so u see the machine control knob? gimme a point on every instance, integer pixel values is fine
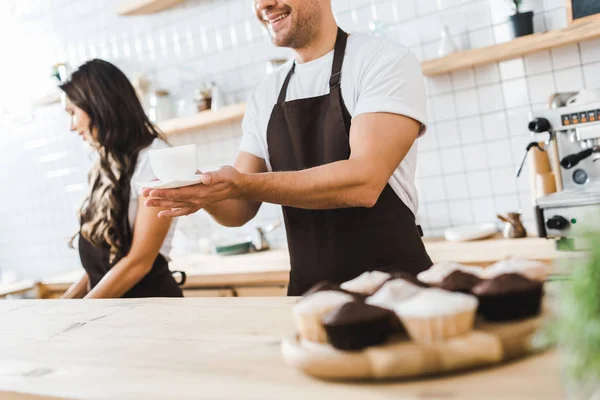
(539, 125)
(572, 160)
(557, 222)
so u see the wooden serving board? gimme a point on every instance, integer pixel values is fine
(488, 344)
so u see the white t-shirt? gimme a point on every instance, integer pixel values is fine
(377, 76)
(143, 173)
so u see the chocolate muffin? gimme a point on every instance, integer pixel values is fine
(327, 286)
(354, 326)
(408, 277)
(367, 283)
(509, 297)
(459, 281)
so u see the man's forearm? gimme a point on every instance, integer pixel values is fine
(233, 212)
(337, 185)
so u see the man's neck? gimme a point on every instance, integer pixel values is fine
(319, 46)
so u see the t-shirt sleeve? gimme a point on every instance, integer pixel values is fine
(251, 131)
(143, 169)
(143, 173)
(393, 84)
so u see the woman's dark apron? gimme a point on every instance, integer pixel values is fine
(159, 282)
(340, 244)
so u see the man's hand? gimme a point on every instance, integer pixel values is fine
(216, 186)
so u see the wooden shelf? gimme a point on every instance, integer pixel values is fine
(577, 32)
(203, 119)
(142, 7)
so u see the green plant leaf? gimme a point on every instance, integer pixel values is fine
(577, 326)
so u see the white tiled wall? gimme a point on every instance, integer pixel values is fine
(467, 159)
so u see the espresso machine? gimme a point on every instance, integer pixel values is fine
(573, 123)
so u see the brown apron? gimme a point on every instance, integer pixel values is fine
(159, 282)
(340, 244)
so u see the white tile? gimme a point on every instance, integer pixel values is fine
(499, 153)
(471, 130)
(541, 87)
(483, 210)
(515, 93)
(487, 74)
(499, 11)
(518, 144)
(452, 160)
(591, 73)
(481, 38)
(463, 79)
(467, 103)
(502, 33)
(428, 164)
(432, 189)
(408, 33)
(590, 51)
(479, 15)
(429, 28)
(551, 4)
(439, 84)
(425, 7)
(526, 203)
(512, 69)
(479, 183)
(417, 50)
(569, 79)
(556, 19)
(495, 126)
(456, 21)
(491, 98)
(504, 180)
(387, 12)
(438, 215)
(430, 50)
(460, 212)
(475, 157)
(456, 186)
(506, 203)
(518, 120)
(448, 134)
(539, 23)
(539, 62)
(405, 10)
(429, 140)
(566, 56)
(443, 107)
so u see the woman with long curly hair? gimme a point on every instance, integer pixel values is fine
(122, 243)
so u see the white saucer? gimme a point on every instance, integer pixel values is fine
(470, 232)
(196, 179)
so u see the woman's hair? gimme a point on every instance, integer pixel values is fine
(121, 129)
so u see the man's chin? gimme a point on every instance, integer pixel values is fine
(280, 40)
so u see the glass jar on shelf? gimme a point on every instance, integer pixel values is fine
(203, 97)
(160, 106)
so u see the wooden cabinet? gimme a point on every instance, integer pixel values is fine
(209, 293)
(239, 291)
(261, 291)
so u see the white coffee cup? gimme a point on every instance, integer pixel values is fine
(174, 163)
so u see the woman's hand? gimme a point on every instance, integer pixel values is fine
(223, 184)
(78, 289)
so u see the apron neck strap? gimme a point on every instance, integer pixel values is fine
(336, 69)
(338, 59)
(286, 83)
